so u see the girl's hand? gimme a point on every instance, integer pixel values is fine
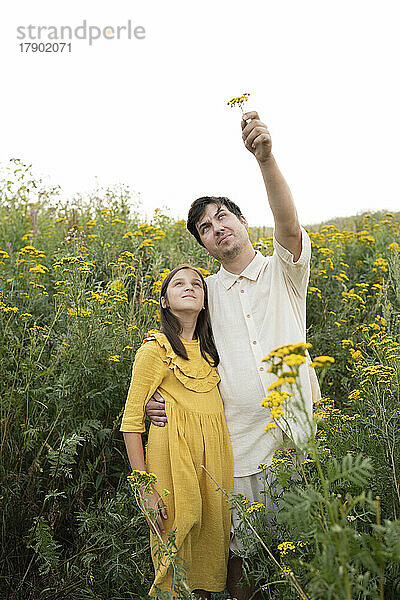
(155, 511)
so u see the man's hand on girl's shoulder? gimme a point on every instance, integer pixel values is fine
(155, 410)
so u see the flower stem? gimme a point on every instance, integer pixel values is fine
(295, 582)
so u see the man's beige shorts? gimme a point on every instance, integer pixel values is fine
(251, 487)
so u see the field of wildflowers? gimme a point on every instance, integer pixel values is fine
(79, 284)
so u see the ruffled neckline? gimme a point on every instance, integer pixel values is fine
(195, 375)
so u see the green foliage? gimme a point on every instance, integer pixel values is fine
(61, 460)
(79, 285)
(356, 470)
(46, 548)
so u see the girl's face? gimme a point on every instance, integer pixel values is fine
(185, 293)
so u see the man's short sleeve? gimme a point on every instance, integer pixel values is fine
(147, 375)
(297, 272)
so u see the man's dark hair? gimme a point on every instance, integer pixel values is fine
(198, 207)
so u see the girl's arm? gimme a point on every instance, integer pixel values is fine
(151, 500)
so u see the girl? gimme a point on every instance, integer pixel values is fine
(180, 362)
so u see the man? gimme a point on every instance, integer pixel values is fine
(256, 304)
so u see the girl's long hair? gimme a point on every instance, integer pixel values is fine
(171, 326)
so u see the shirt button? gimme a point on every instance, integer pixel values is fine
(248, 316)
(242, 291)
(254, 342)
(240, 278)
(261, 368)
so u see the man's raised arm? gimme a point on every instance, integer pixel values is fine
(257, 140)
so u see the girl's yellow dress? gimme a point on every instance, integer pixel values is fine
(196, 434)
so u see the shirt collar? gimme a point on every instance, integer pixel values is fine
(250, 272)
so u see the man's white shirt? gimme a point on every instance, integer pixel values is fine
(252, 313)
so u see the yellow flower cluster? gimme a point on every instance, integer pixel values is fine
(275, 400)
(110, 298)
(289, 356)
(39, 286)
(141, 479)
(151, 302)
(284, 351)
(239, 100)
(334, 416)
(31, 256)
(180, 224)
(78, 312)
(294, 360)
(38, 330)
(282, 457)
(315, 290)
(356, 355)
(271, 426)
(263, 243)
(376, 374)
(355, 395)
(38, 269)
(4, 255)
(375, 337)
(351, 295)
(124, 260)
(30, 251)
(255, 507)
(115, 358)
(117, 221)
(380, 264)
(394, 247)
(150, 235)
(4, 308)
(286, 547)
(322, 361)
(78, 263)
(325, 251)
(347, 343)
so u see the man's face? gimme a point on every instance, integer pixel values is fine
(223, 234)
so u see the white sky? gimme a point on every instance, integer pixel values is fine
(152, 113)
